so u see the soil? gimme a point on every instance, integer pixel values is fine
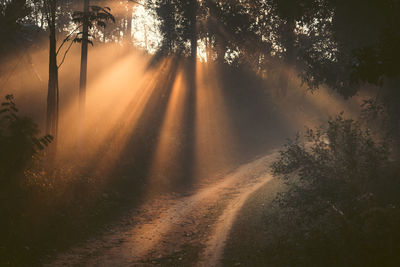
(175, 230)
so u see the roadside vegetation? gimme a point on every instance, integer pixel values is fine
(342, 202)
(179, 90)
(339, 204)
(45, 209)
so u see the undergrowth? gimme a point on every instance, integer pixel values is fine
(44, 208)
(342, 203)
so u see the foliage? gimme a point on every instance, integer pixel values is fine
(12, 12)
(96, 16)
(341, 207)
(18, 140)
(61, 204)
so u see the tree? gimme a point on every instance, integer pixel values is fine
(96, 15)
(83, 73)
(350, 44)
(11, 15)
(53, 89)
(91, 16)
(341, 200)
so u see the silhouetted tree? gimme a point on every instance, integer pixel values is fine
(11, 15)
(90, 17)
(346, 44)
(341, 202)
(50, 7)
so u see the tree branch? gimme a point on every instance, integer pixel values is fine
(65, 54)
(137, 2)
(67, 39)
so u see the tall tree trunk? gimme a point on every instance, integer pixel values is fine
(290, 57)
(207, 44)
(189, 120)
(193, 44)
(83, 75)
(104, 35)
(220, 47)
(128, 32)
(193, 30)
(146, 41)
(52, 92)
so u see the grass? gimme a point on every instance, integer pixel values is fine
(246, 243)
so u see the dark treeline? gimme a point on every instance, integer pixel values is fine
(254, 47)
(327, 42)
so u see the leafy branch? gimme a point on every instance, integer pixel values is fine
(11, 122)
(96, 16)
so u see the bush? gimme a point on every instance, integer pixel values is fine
(46, 207)
(20, 151)
(18, 140)
(341, 206)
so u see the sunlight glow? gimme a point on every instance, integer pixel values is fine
(128, 115)
(116, 99)
(214, 134)
(124, 91)
(170, 140)
(145, 28)
(301, 107)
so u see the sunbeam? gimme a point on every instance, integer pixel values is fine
(214, 134)
(169, 144)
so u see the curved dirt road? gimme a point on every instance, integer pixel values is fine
(180, 231)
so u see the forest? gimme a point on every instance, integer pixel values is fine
(199, 133)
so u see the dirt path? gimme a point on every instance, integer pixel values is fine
(171, 231)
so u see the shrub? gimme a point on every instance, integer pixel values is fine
(341, 206)
(18, 140)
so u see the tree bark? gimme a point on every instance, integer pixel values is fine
(289, 58)
(189, 120)
(52, 91)
(83, 76)
(193, 29)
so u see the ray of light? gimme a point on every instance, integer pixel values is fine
(125, 123)
(214, 133)
(107, 94)
(116, 99)
(301, 107)
(122, 91)
(169, 144)
(298, 106)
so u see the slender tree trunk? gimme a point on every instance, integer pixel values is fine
(52, 92)
(208, 48)
(128, 32)
(218, 42)
(146, 41)
(290, 40)
(193, 44)
(290, 57)
(104, 35)
(193, 30)
(220, 46)
(83, 76)
(189, 120)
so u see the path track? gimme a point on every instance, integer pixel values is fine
(170, 231)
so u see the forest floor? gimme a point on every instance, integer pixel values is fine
(175, 230)
(247, 244)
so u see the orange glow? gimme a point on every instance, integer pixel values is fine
(168, 145)
(301, 107)
(214, 134)
(126, 108)
(122, 91)
(119, 90)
